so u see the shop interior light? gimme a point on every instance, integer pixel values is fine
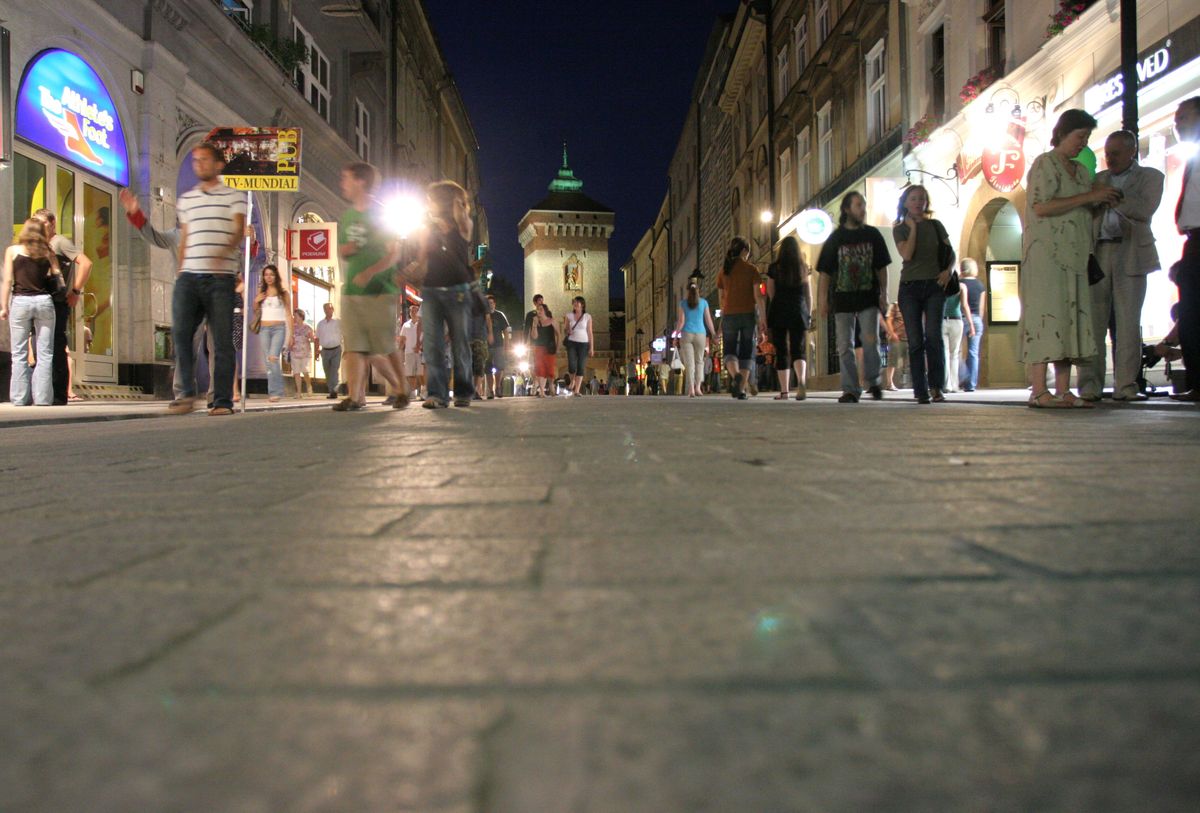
(1187, 149)
(766, 216)
(521, 351)
(523, 366)
(404, 214)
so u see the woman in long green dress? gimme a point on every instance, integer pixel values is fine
(1056, 322)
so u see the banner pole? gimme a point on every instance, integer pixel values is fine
(246, 296)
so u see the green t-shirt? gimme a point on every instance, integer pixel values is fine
(924, 262)
(364, 228)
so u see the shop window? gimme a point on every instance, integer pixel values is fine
(993, 20)
(362, 130)
(785, 183)
(312, 77)
(825, 145)
(239, 10)
(803, 149)
(937, 72)
(876, 92)
(800, 45)
(782, 75)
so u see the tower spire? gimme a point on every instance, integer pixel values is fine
(565, 181)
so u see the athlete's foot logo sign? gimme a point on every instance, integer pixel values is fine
(68, 125)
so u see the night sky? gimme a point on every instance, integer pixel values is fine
(612, 77)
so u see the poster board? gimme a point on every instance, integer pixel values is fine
(1004, 292)
(259, 159)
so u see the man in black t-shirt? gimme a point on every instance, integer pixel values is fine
(853, 266)
(498, 349)
(538, 299)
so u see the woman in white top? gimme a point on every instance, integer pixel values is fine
(577, 327)
(275, 331)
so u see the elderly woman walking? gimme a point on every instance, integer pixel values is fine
(1056, 305)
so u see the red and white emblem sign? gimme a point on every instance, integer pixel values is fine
(314, 244)
(1004, 160)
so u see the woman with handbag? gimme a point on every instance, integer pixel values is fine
(28, 283)
(1056, 305)
(925, 277)
(694, 325)
(789, 316)
(273, 324)
(580, 342)
(543, 335)
(956, 323)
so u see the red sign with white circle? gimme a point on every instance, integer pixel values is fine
(1004, 160)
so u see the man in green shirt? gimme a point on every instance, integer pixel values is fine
(369, 255)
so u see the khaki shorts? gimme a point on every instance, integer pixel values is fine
(369, 324)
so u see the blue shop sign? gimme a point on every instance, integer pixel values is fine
(64, 108)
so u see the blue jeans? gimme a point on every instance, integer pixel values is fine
(196, 297)
(32, 317)
(921, 302)
(447, 308)
(973, 354)
(271, 337)
(845, 325)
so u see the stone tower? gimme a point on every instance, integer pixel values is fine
(565, 238)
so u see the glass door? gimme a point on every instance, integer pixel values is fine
(83, 210)
(95, 338)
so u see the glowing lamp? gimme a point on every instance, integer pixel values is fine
(814, 226)
(523, 366)
(403, 215)
(766, 216)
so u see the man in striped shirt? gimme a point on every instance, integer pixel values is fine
(212, 220)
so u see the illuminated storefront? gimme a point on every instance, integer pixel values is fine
(984, 153)
(70, 156)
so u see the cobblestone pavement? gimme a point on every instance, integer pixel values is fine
(605, 604)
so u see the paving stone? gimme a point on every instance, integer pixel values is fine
(1093, 748)
(1115, 548)
(680, 560)
(603, 604)
(61, 636)
(73, 562)
(587, 636)
(344, 562)
(168, 753)
(1000, 631)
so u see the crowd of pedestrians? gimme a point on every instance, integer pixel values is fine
(1087, 250)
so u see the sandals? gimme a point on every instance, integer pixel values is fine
(1045, 400)
(1073, 401)
(783, 396)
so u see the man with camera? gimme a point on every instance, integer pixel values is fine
(1126, 253)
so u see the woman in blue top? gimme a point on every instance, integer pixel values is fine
(696, 324)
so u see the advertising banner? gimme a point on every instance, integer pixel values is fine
(64, 108)
(260, 159)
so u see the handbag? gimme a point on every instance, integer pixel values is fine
(952, 285)
(1095, 272)
(946, 255)
(256, 325)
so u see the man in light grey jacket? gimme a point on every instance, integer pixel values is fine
(1126, 253)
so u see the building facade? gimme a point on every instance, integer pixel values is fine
(987, 88)
(565, 239)
(147, 82)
